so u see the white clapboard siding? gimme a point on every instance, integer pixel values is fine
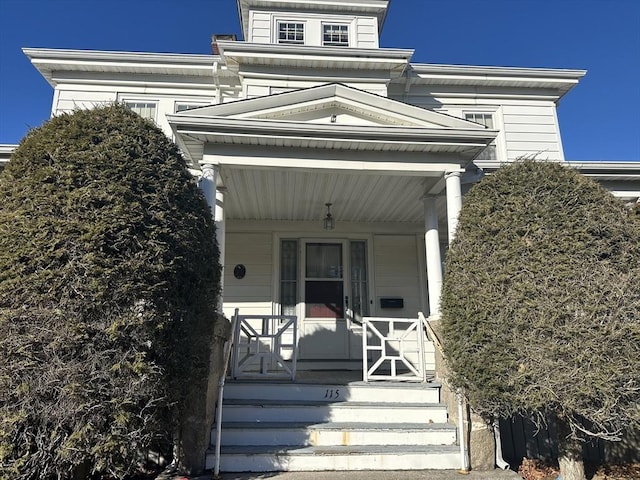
(252, 294)
(260, 27)
(70, 100)
(367, 32)
(396, 273)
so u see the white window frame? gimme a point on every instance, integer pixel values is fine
(189, 104)
(128, 102)
(348, 28)
(496, 118)
(282, 21)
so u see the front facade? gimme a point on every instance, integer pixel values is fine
(309, 117)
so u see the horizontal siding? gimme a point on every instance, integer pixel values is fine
(253, 293)
(531, 130)
(366, 33)
(260, 29)
(396, 274)
(69, 100)
(531, 137)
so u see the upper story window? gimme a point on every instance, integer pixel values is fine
(144, 109)
(183, 106)
(335, 35)
(291, 32)
(486, 119)
(482, 118)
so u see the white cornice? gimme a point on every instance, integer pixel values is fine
(49, 61)
(225, 125)
(561, 80)
(5, 152)
(241, 53)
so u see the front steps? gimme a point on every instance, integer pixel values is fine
(315, 426)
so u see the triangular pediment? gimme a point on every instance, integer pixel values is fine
(333, 104)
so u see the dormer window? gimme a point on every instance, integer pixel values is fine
(291, 33)
(335, 35)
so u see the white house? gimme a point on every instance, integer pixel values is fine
(309, 117)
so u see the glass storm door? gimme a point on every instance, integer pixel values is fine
(334, 297)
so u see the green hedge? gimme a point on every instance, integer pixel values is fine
(109, 279)
(541, 300)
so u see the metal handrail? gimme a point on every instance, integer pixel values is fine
(228, 345)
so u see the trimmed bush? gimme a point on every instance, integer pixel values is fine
(109, 280)
(541, 301)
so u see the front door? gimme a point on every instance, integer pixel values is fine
(334, 297)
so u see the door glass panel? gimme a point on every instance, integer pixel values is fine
(288, 276)
(324, 285)
(359, 282)
(324, 260)
(323, 299)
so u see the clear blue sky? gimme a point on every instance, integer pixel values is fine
(599, 119)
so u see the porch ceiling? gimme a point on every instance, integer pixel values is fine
(294, 195)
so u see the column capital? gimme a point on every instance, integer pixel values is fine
(430, 196)
(453, 173)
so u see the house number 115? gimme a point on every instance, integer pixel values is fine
(332, 393)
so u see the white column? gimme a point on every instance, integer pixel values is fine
(454, 202)
(215, 200)
(432, 247)
(219, 219)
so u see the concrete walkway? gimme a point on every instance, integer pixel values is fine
(365, 475)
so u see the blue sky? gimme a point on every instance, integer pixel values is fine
(599, 119)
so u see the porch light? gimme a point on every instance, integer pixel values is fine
(329, 223)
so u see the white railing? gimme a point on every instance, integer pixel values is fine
(393, 349)
(265, 346)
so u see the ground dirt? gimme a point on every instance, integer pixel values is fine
(539, 470)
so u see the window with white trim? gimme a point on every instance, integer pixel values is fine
(291, 33)
(483, 118)
(486, 119)
(335, 35)
(182, 106)
(144, 109)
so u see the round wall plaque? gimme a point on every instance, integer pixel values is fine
(239, 271)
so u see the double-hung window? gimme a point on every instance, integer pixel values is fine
(291, 33)
(144, 109)
(482, 118)
(335, 35)
(486, 119)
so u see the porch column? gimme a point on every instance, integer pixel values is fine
(215, 200)
(454, 202)
(434, 261)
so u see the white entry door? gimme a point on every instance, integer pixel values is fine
(334, 296)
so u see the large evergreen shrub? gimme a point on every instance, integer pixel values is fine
(109, 280)
(541, 301)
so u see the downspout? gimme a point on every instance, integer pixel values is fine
(216, 81)
(464, 454)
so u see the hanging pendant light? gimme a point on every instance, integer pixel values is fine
(329, 223)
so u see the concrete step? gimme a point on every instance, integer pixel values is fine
(336, 458)
(397, 392)
(319, 412)
(332, 433)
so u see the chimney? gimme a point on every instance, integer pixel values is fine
(231, 37)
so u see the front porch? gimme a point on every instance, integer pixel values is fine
(331, 369)
(275, 417)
